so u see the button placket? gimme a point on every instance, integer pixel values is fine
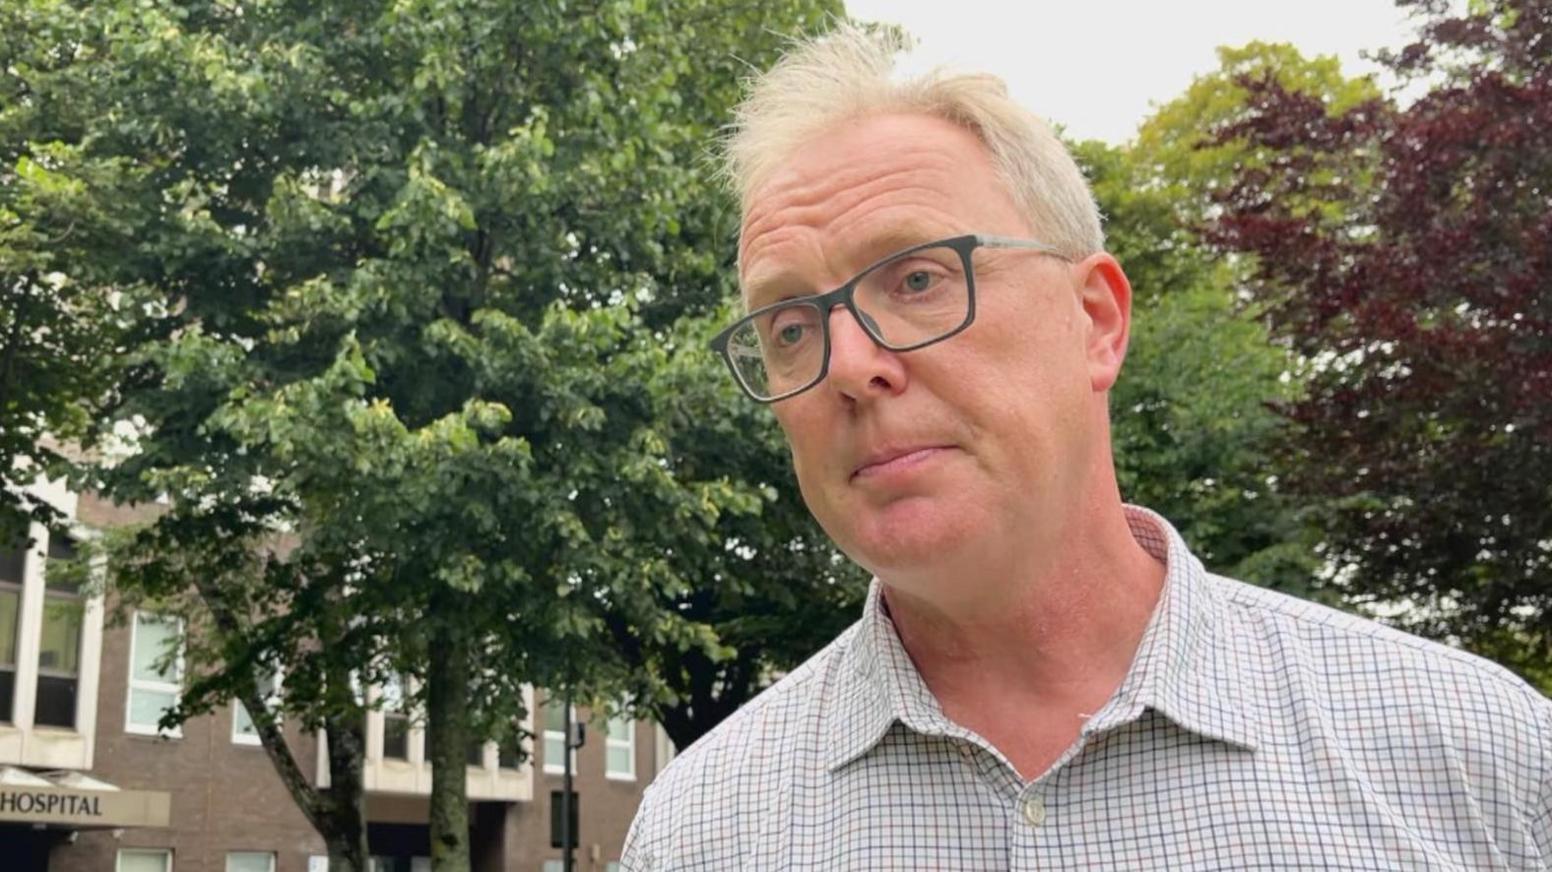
(1033, 809)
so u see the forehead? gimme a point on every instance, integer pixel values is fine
(863, 189)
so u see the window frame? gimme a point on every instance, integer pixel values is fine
(19, 586)
(77, 598)
(252, 739)
(611, 744)
(396, 711)
(547, 735)
(118, 857)
(133, 683)
(231, 854)
(515, 745)
(479, 766)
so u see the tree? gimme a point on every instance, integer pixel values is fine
(60, 315)
(1420, 304)
(243, 624)
(769, 584)
(1177, 156)
(1193, 423)
(1192, 426)
(409, 268)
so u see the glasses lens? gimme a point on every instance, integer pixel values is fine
(778, 351)
(916, 297)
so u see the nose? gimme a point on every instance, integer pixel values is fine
(859, 367)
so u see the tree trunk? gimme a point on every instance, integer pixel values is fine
(346, 835)
(8, 360)
(716, 690)
(447, 744)
(338, 812)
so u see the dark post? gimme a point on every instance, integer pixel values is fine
(575, 736)
(566, 835)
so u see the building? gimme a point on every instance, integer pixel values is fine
(87, 784)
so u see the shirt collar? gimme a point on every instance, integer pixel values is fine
(1184, 667)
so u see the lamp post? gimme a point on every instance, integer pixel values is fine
(575, 737)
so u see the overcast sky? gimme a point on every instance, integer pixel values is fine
(1096, 66)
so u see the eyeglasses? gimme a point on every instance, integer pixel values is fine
(908, 300)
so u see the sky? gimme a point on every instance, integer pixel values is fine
(1097, 66)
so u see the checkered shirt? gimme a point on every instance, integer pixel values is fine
(1253, 731)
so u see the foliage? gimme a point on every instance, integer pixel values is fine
(1191, 422)
(1421, 306)
(409, 370)
(1178, 159)
(61, 314)
(1194, 429)
(770, 584)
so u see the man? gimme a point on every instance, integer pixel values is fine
(1042, 676)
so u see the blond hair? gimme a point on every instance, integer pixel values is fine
(849, 73)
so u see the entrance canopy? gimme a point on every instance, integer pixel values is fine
(78, 801)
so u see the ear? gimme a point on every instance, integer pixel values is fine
(1107, 301)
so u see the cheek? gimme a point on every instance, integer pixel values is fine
(804, 442)
(813, 463)
(1032, 389)
(819, 492)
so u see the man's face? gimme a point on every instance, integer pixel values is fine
(918, 461)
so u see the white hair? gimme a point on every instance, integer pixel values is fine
(850, 72)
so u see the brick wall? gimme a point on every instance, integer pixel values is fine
(226, 796)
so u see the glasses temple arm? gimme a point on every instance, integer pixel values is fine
(1013, 242)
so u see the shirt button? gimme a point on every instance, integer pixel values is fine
(1034, 811)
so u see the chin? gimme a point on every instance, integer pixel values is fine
(910, 536)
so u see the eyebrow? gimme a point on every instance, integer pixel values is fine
(771, 287)
(767, 287)
(898, 239)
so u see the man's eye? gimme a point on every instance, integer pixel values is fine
(790, 334)
(919, 280)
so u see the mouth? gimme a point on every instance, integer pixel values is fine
(897, 460)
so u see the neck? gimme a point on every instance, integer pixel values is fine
(1053, 637)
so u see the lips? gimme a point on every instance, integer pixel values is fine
(896, 459)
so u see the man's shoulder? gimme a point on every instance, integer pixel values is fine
(749, 745)
(703, 804)
(1362, 663)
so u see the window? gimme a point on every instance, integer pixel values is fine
(396, 720)
(59, 648)
(144, 860)
(555, 738)
(243, 730)
(553, 866)
(12, 561)
(612, 866)
(477, 753)
(250, 861)
(400, 864)
(155, 671)
(507, 751)
(620, 748)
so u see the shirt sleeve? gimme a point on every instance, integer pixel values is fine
(642, 838)
(1541, 812)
